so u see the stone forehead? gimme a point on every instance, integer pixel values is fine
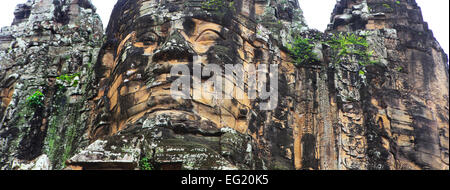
(280, 18)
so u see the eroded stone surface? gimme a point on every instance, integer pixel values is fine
(337, 112)
(48, 39)
(404, 103)
(134, 78)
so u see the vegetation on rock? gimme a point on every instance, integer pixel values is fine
(145, 164)
(217, 5)
(352, 44)
(68, 80)
(35, 100)
(302, 51)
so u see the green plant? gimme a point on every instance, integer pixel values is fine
(67, 57)
(398, 2)
(68, 80)
(302, 51)
(216, 5)
(399, 68)
(345, 43)
(362, 72)
(387, 6)
(35, 100)
(352, 44)
(145, 164)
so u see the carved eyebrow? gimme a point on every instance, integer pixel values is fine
(209, 30)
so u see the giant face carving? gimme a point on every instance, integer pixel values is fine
(134, 74)
(138, 79)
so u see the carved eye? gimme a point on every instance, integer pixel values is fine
(209, 36)
(148, 38)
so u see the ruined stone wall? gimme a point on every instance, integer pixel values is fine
(46, 62)
(403, 105)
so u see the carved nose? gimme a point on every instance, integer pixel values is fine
(175, 48)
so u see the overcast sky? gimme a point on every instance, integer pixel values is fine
(316, 12)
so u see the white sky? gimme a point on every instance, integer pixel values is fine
(316, 12)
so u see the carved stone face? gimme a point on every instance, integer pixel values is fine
(134, 78)
(139, 81)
